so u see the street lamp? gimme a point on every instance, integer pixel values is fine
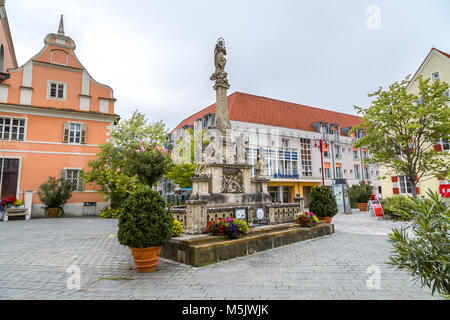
(319, 143)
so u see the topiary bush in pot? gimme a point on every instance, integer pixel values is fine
(323, 204)
(54, 194)
(360, 195)
(145, 225)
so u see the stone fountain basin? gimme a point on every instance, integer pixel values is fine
(204, 249)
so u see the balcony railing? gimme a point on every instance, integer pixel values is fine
(286, 176)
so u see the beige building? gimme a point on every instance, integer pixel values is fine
(435, 66)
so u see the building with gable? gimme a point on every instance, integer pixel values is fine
(53, 117)
(435, 66)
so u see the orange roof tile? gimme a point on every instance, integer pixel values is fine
(255, 109)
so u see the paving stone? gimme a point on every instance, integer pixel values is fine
(34, 265)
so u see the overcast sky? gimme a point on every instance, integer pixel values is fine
(158, 55)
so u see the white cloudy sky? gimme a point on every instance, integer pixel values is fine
(158, 55)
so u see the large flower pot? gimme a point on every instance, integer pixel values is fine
(326, 219)
(146, 259)
(362, 206)
(53, 212)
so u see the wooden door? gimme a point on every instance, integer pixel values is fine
(10, 177)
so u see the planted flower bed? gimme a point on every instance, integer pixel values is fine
(306, 219)
(229, 227)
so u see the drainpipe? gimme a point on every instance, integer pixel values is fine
(3, 165)
(332, 158)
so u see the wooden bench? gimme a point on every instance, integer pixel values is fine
(16, 212)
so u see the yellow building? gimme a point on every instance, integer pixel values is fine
(435, 66)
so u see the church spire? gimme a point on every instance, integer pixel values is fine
(61, 25)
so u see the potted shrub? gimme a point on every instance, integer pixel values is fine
(323, 204)
(145, 225)
(54, 194)
(360, 194)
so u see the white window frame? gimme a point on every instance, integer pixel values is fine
(49, 83)
(11, 119)
(70, 130)
(447, 143)
(326, 173)
(306, 158)
(357, 172)
(404, 185)
(339, 172)
(338, 151)
(366, 170)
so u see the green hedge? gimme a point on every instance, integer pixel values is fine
(399, 207)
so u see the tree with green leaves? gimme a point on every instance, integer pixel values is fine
(402, 129)
(184, 167)
(133, 156)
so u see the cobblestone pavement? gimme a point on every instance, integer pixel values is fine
(35, 255)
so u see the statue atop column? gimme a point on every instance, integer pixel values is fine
(220, 76)
(221, 122)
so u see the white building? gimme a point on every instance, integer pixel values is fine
(288, 135)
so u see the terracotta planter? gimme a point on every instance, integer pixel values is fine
(218, 234)
(362, 206)
(146, 259)
(326, 219)
(53, 212)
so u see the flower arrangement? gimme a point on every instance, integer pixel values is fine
(177, 228)
(236, 228)
(17, 203)
(307, 219)
(217, 227)
(232, 228)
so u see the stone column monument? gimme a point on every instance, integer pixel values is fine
(221, 122)
(223, 182)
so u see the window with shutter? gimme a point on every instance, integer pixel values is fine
(83, 133)
(74, 132)
(445, 144)
(405, 185)
(73, 176)
(66, 132)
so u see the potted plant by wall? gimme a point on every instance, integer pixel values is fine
(323, 204)
(360, 194)
(54, 194)
(145, 225)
